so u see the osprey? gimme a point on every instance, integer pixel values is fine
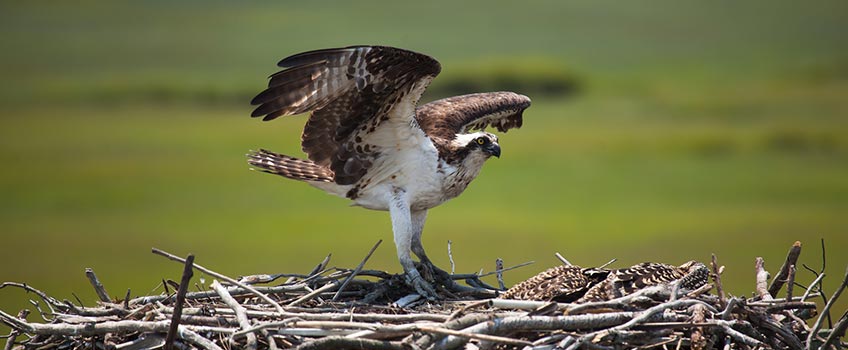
(367, 140)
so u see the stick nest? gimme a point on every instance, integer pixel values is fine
(337, 308)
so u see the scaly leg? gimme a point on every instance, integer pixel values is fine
(430, 271)
(404, 233)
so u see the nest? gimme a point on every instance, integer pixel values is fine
(336, 308)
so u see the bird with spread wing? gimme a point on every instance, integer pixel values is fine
(367, 139)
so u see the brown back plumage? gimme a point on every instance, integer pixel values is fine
(560, 283)
(625, 281)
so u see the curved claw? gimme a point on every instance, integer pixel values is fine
(414, 280)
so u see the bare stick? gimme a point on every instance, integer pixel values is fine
(762, 276)
(485, 337)
(50, 301)
(790, 282)
(340, 342)
(520, 304)
(178, 305)
(716, 274)
(10, 342)
(781, 277)
(810, 287)
(314, 293)
(98, 287)
(837, 331)
(613, 260)
(450, 257)
(321, 266)
(739, 336)
(356, 270)
(562, 258)
(826, 311)
(506, 269)
(499, 269)
(225, 278)
(241, 315)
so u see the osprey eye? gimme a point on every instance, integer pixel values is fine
(481, 141)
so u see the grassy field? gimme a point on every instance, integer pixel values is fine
(698, 129)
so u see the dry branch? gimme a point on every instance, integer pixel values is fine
(783, 275)
(178, 307)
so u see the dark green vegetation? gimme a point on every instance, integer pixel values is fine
(696, 129)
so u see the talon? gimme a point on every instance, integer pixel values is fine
(414, 280)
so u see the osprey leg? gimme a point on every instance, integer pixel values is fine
(404, 233)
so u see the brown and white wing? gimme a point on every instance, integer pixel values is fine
(447, 117)
(350, 92)
(560, 283)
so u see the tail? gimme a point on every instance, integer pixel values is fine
(290, 167)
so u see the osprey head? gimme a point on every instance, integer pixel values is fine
(483, 143)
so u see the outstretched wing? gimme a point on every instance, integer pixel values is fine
(350, 92)
(445, 118)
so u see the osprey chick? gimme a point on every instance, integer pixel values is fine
(366, 139)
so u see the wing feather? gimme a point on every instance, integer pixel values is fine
(346, 89)
(445, 118)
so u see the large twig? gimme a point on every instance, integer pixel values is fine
(826, 310)
(762, 277)
(340, 342)
(781, 277)
(220, 276)
(837, 332)
(356, 271)
(98, 287)
(241, 315)
(178, 306)
(716, 275)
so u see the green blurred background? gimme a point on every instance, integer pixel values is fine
(661, 131)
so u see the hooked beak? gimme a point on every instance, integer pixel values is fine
(494, 149)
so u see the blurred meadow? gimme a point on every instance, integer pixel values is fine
(661, 131)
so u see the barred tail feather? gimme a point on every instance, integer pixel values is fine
(290, 167)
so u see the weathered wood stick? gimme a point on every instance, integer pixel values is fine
(340, 342)
(781, 277)
(98, 287)
(522, 304)
(325, 316)
(480, 336)
(716, 275)
(762, 277)
(737, 335)
(826, 310)
(241, 315)
(562, 259)
(314, 293)
(356, 271)
(837, 332)
(178, 306)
